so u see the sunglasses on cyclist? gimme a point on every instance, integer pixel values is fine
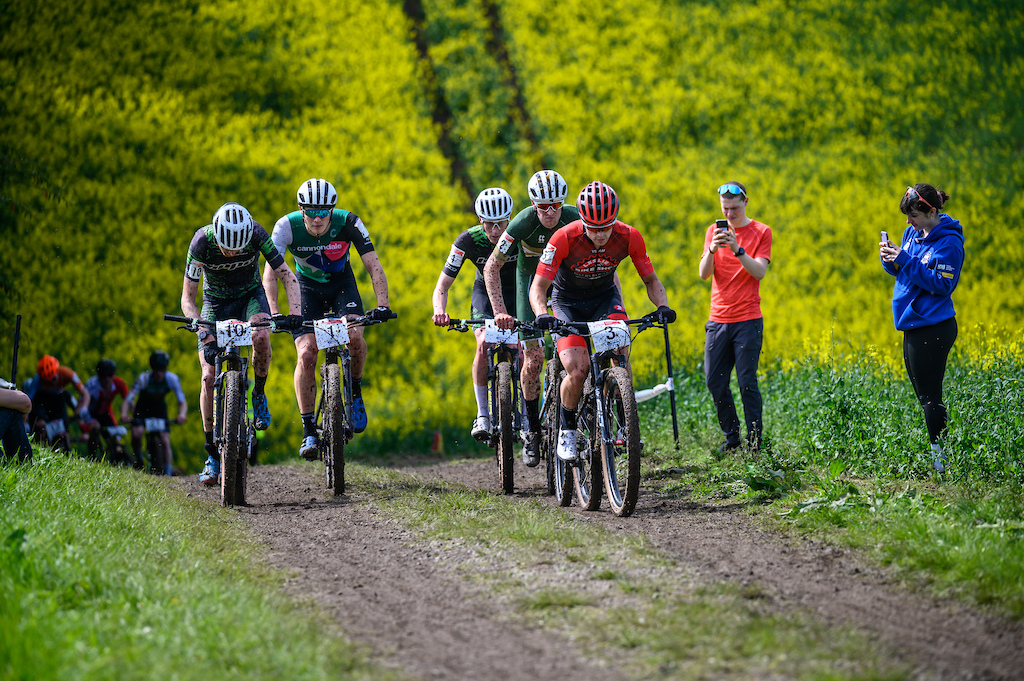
(310, 213)
(548, 207)
(595, 228)
(731, 189)
(914, 194)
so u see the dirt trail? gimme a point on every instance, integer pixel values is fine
(405, 598)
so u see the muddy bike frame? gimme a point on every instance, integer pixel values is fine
(608, 428)
(233, 433)
(334, 405)
(502, 390)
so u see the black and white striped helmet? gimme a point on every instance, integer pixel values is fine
(493, 204)
(232, 227)
(316, 194)
(547, 186)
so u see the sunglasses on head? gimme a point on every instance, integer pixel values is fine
(311, 213)
(913, 193)
(732, 189)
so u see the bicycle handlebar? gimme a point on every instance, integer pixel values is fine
(212, 323)
(648, 321)
(361, 320)
(462, 325)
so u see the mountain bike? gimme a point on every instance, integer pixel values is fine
(155, 461)
(233, 433)
(608, 427)
(334, 407)
(502, 390)
(104, 444)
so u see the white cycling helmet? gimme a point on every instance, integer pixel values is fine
(493, 204)
(232, 226)
(547, 186)
(316, 193)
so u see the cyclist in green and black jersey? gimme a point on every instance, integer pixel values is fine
(225, 254)
(526, 236)
(319, 237)
(493, 208)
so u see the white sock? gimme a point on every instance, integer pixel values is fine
(481, 400)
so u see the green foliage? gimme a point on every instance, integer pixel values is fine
(142, 118)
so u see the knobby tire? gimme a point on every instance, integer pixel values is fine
(232, 453)
(563, 478)
(334, 430)
(621, 458)
(587, 471)
(506, 433)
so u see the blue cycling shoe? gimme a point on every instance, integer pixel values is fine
(260, 412)
(211, 472)
(358, 414)
(310, 449)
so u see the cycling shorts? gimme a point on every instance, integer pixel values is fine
(340, 295)
(481, 305)
(221, 309)
(607, 306)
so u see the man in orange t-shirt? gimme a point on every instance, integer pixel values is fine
(737, 251)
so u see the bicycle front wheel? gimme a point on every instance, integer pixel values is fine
(586, 470)
(232, 454)
(505, 430)
(620, 446)
(561, 477)
(334, 430)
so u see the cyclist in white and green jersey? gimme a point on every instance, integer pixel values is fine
(319, 236)
(528, 233)
(225, 255)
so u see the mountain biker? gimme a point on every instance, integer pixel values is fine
(225, 254)
(526, 236)
(493, 208)
(579, 264)
(147, 400)
(319, 236)
(50, 399)
(102, 389)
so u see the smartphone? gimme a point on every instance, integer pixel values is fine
(885, 237)
(721, 224)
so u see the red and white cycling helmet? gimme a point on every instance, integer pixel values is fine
(232, 227)
(598, 204)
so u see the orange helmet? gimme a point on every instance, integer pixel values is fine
(47, 368)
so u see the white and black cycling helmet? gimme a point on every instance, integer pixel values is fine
(493, 204)
(316, 194)
(232, 226)
(547, 186)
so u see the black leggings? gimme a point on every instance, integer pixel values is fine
(924, 353)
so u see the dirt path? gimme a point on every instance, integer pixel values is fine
(405, 599)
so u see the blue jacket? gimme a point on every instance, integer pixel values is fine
(927, 271)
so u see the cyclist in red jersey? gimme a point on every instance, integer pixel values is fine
(579, 262)
(102, 389)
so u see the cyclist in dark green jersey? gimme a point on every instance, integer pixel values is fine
(493, 208)
(526, 236)
(225, 255)
(319, 236)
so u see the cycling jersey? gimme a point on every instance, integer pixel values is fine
(229, 277)
(474, 246)
(101, 401)
(580, 270)
(149, 396)
(526, 233)
(322, 257)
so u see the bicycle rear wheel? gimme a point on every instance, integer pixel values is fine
(334, 430)
(232, 454)
(586, 471)
(506, 435)
(621, 456)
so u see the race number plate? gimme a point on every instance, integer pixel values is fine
(330, 333)
(234, 333)
(55, 428)
(495, 334)
(609, 334)
(116, 431)
(154, 425)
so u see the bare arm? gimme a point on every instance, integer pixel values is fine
(655, 290)
(189, 289)
(291, 289)
(16, 400)
(539, 294)
(492, 279)
(377, 277)
(270, 286)
(440, 299)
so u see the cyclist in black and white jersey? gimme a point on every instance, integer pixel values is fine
(225, 255)
(320, 238)
(493, 208)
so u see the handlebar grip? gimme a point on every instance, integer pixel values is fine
(176, 318)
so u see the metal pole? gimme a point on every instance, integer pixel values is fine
(14, 362)
(671, 393)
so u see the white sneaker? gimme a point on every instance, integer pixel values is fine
(938, 458)
(566, 449)
(481, 428)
